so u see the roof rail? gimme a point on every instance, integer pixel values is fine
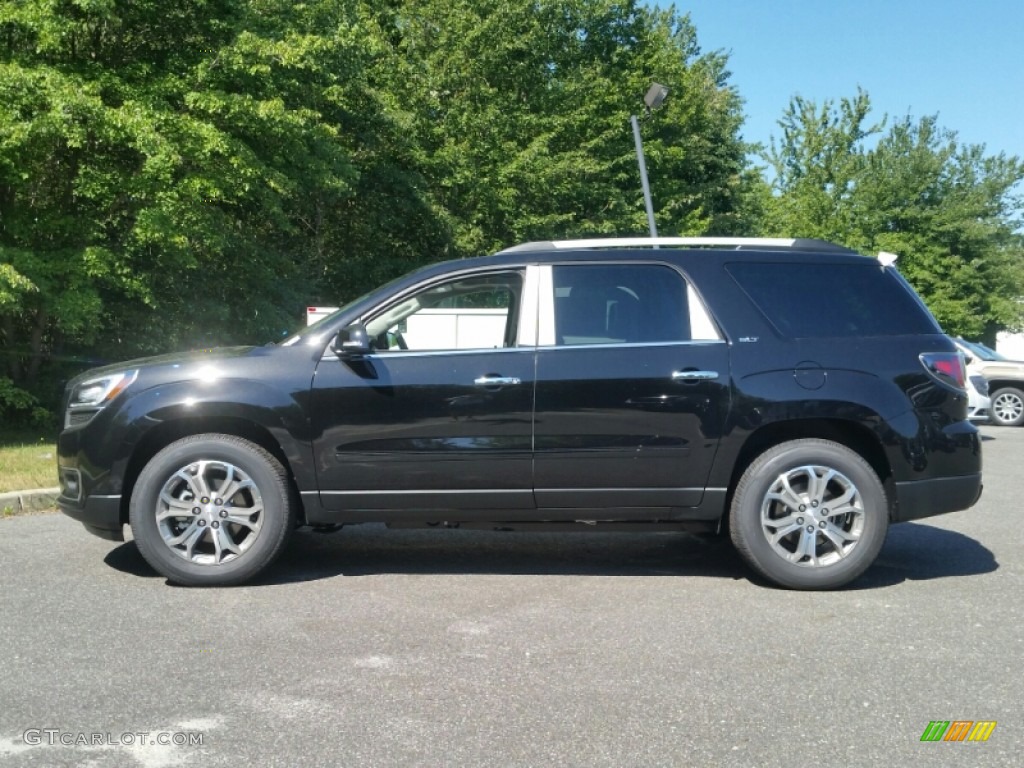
(784, 243)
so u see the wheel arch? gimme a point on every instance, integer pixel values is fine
(168, 432)
(855, 436)
(998, 382)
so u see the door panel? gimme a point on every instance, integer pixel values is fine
(614, 428)
(441, 418)
(415, 431)
(629, 409)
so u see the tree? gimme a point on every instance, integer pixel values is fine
(520, 113)
(192, 174)
(948, 210)
(160, 165)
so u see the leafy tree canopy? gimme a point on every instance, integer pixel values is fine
(179, 175)
(186, 174)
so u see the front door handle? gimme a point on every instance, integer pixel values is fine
(689, 375)
(491, 380)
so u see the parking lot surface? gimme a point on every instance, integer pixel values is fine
(372, 647)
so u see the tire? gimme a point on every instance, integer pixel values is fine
(781, 526)
(1008, 407)
(194, 534)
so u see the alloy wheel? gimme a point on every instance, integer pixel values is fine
(1008, 406)
(209, 512)
(812, 516)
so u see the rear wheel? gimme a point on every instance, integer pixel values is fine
(1008, 407)
(809, 514)
(211, 510)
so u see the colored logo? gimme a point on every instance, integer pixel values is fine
(958, 730)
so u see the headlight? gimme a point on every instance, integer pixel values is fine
(91, 395)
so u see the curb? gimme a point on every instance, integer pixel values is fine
(33, 500)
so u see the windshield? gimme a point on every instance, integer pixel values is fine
(982, 352)
(311, 333)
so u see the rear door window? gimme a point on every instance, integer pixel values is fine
(625, 304)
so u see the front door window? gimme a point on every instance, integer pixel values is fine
(473, 312)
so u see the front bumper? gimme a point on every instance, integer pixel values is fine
(978, 408)
(936, 496)
(101, 515)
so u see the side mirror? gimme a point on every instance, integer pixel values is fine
(968, 359)
(352, 341)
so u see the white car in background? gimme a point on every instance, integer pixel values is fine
(979, 404)
(1005, 380)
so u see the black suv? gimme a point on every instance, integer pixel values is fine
(791, 392)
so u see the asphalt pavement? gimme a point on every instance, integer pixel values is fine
(373, 647)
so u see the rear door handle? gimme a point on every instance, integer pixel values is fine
(694, 375)
(496, 381)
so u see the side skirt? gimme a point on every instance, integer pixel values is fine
(708, 515)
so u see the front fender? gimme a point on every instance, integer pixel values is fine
(185, 407)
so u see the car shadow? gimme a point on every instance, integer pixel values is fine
(912, 552)
(373, 549)
(127, 559)
(919, 552)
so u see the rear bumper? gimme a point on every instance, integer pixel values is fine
(101, 515)
(935, 496)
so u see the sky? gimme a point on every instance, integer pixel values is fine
(963, 61)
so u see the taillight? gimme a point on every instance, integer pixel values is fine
(947, 367)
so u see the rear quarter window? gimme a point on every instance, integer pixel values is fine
(833, 300)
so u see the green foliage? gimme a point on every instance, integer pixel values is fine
(947, 210)
(12, 284)
(520, 113)
(159, 167)
(181, 175)
(190, 174)
(13, 398)
(20, 408)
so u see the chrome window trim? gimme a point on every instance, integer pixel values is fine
(623, 489)
(432, 353)
(634, 345)
(426, 491)
(503, 490)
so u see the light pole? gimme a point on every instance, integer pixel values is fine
(656, 95)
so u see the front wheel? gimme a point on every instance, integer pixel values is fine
(1008, 407)
(211, 510)
(809, 514)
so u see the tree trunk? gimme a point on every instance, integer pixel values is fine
(11, 362)
(36, 344)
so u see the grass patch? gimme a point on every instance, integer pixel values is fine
(27, 460)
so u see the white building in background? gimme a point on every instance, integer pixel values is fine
(318, 313)
(1010, 344)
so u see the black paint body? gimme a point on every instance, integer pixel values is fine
(594, 433)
